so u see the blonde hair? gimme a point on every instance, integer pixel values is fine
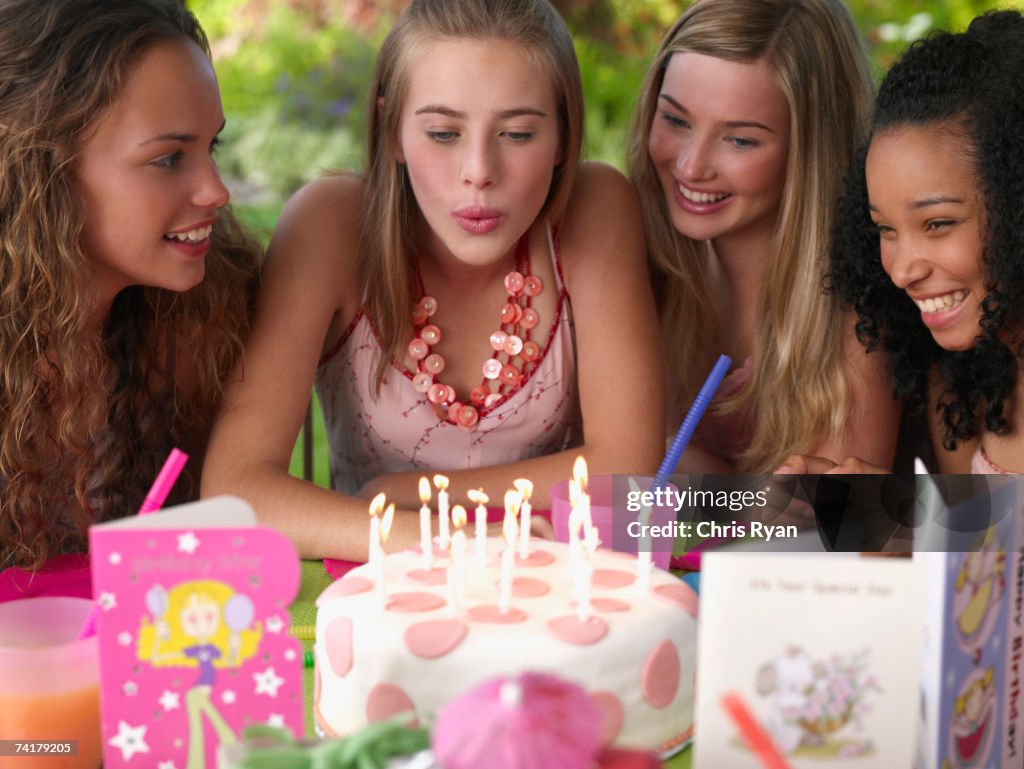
(390, 211)
(798, 388)
(68, 456)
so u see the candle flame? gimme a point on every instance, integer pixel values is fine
(459, 516)
(441, 481)
(424, 490)
(377, 504)
(477, 496)
(579, 473)
(510, 528)
(524, 487)
(513, 500)
(385, 524)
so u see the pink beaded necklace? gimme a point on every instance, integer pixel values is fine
(511, 343)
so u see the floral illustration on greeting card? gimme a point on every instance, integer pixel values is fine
(815, 707)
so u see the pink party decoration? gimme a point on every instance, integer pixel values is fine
(344, 587)
(660, 679)
(434, 638)
(682, 595)
(414, 602)
(529, 587)
(387, 700)
(435, 576)
(613, 715)
(610, 579)
(531, 721)
(338, 641)
(492, 613)
(572, 630)
(536, 559)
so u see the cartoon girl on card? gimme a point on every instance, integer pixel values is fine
(203, 624)
(972, 728)
(980, 584)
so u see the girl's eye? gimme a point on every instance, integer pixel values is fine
(742, 143)
(215, 145)
(518, 136)
(674, 120)
(883, 230)
(442, 137)
(172, 160)
(938, 224)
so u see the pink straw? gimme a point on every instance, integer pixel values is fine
(155, 499)
(753, 733)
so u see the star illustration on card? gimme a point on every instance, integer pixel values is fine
(289, 654)
(268, 682)
(228, 697)
(107, 601)
(115, 558)
(275, 719)
(129, 740)
(130, 689)
(124, 639)
(274, 624)
(187, 543)
(169, 700)
(166, 765)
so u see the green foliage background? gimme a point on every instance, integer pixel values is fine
(294, 76)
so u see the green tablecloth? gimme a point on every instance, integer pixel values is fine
(303, 611)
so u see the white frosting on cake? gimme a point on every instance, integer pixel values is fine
(640, 671)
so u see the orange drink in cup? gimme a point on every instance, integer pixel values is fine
(49, 686)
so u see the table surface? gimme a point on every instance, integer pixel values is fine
(303, 612)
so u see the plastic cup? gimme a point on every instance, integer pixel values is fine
(608, 512)
(49, 683)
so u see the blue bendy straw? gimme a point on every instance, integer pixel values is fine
(700, 404)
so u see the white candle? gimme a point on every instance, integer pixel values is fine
(643, 553)
(376, 507)
(425, 529)
(584, 609)
(525, 488)
(457, 568)
(383, 529)
(481, 500)
(508, 555)
(444, 538)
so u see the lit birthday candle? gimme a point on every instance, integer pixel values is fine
(508, 555)
(579, 474)
(584, 609)
(443, 537)
(643, 553)
(425, 530)
(385, 530)
(525, 489)
(481, 500)
(374, 557)
(457, 567)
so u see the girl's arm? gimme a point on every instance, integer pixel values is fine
(310, 292)
(619, 365)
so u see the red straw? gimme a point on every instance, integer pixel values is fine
(756, 737)
(155, 499)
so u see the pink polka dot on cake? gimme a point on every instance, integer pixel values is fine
(536, 559)
(611, 579)
(414, 602)
(387, 700)
(680, 594)
(492, 614)
(338, 643)
(529, 587)
(433, 576)
(571, 629)
(660, 679)
(613, 715)
(345, 587)
(607, 605)
(434, 638)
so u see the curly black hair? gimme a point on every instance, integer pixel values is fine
(970, 84)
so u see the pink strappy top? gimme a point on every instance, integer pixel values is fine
(400, 432)
(982, 465)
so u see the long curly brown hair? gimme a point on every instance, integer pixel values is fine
(86, 418)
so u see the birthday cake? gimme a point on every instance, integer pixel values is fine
(414, 651)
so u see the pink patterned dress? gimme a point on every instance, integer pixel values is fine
(400, 432)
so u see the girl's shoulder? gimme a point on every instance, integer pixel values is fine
(329, 206)
(602, 208)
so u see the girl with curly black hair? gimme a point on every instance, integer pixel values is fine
(929, 242)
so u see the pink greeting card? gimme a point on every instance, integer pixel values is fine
(193, 633)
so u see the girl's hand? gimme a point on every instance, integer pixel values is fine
(802, 464)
